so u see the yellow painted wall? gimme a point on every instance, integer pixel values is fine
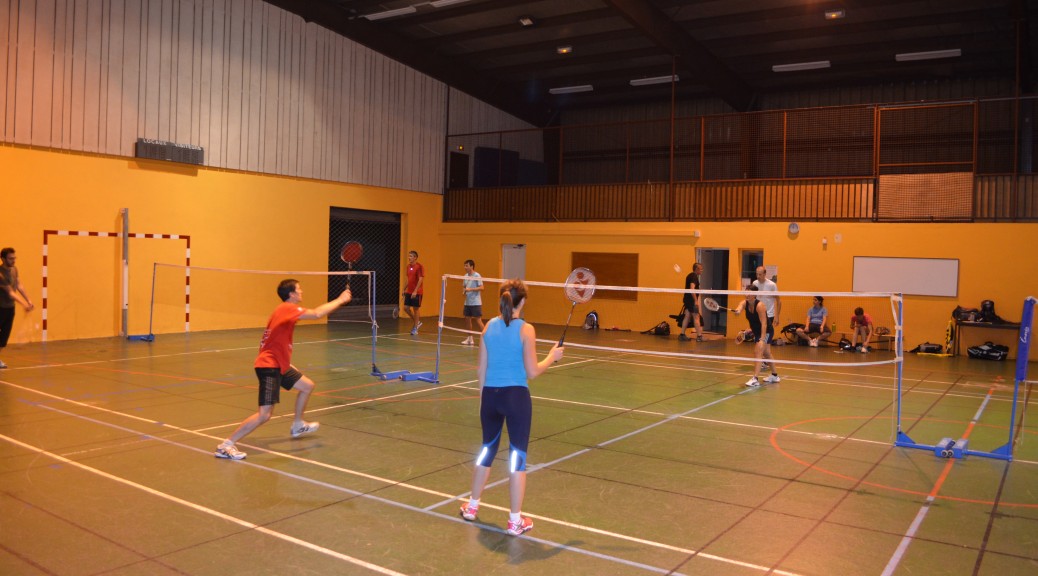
(1005, 274)
(235, 220)
(253, 221)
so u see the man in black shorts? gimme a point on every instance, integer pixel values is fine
(691, 301)
(413, 291)
(274, 365)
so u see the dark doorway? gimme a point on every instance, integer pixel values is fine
(379, 234)
(459, 171)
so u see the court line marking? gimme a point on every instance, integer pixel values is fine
(909, 537)
(433, 388)
(205, 510)
(388, 482)
(365, 495)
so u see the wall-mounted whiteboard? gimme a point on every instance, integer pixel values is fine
(918, 276)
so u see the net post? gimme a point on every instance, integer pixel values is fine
(150, 336)
(372, 315)
(1023, 352)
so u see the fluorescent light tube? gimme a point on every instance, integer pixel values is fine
(931, 55)
(572, 89)
(442, 3)
(390, 13)
(800, 66)
(654, 80)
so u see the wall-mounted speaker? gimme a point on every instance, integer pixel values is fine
(169, 151)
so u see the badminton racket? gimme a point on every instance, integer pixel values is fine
(579, 288)
(351, 252)
(712, 305)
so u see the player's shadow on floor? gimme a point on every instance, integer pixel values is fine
(519, 549)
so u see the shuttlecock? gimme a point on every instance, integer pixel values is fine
(677, 268)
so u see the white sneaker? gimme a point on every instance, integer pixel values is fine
(467, 341)
(773, 379)
(306, 428)
(752, 383)
(813, 343)
(229, 451)
(2, 365)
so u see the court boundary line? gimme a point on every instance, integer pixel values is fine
(390, 484)
(205, 510)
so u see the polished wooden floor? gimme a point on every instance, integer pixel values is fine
(638, 464)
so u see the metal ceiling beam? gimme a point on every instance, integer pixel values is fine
(665, 33)
(451, 72)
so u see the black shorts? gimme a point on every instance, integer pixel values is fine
(271, 380)
(412, 301)
(817, 328)
(689, 300)
(769, 333)
(475, 311)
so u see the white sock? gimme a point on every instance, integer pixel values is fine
(514, 517)
(473, 502)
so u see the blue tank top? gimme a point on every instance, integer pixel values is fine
(505, 365)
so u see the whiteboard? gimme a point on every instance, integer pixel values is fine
(918, 276)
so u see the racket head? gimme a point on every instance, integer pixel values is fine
(711, 304)
(580, 285)
(351, 252)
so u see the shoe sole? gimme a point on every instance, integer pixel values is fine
(520, 532)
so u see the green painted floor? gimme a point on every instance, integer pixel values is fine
(639, 464)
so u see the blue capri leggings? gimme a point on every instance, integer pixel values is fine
(498, 406)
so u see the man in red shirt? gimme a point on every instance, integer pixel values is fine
(861, 327)
(413, 291)
(274, 365)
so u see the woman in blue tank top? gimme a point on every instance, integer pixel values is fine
(507, 360)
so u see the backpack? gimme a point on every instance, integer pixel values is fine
(661, 329)
(927, 348)
(987, 312)
(988, 351)
(591, 321)
(790, 332)
(845, 345)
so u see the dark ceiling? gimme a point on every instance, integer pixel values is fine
(720, 48)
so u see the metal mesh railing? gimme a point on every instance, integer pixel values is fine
(816, 163)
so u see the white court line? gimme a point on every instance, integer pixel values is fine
(175, 354)
(380, 499)
(448, 497)
(209, 511)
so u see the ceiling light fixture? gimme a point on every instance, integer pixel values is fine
(931, 55)
(654, 80)
(834, 14)
(572, 89)
(390, 13)
(564, 50)
(526, 21)
(442, 3)
(800, 66)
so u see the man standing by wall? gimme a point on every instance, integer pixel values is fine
(11, 291)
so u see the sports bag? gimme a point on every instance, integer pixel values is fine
(928, 348)
(988, 351)
(591, 321)
(661, 329)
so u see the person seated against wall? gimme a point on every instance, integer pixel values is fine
(861, 326)
(817, 323)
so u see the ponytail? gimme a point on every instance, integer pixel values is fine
(513, 293)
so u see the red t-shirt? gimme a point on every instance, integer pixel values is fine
(414, 272)
(276, 345)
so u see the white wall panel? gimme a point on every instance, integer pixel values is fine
(256, 87)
